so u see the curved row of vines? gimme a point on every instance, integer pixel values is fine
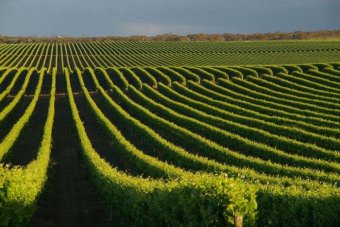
(189, 145)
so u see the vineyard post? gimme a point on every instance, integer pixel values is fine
(238, 221)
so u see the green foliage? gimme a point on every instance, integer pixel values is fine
(263, 145)
(231, 72)
(277, 69)
(125, 54)
(215, 72)
(261, 98)
(187, 74)
(131, 77)
(246, 71)
(173, 75)
(292, 68)
(306, 67)
(284, 144)
(311, 208)
(6, 73)
(20, 186)
(201, 73)
(15, 131)
(145, 76)
(4, 113)
(201, 200)
(117, 77)
(260, 70)
(321, 66)
(158, 75)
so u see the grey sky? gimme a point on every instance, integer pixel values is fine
(150, 17)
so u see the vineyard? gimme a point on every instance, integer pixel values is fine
(127, 54)
(170, 133)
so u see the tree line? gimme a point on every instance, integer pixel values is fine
(297, 35)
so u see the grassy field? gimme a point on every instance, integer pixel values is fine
(170, 133)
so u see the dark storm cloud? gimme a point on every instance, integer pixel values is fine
(125, 17)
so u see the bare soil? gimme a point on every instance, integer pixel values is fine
(69, 198)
